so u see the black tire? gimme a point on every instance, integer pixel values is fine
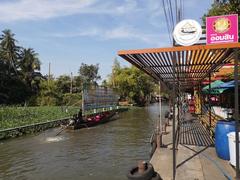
(153, 148)
(156, 176)
(147, 175)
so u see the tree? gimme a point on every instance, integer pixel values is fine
(89, 73)
(115, 70)
(77, 84)
(12, 88)
(9, 52)
(48, 94)
(132, 84)
(29, 65)
(63, 84)
(19, 71)
(104, 83)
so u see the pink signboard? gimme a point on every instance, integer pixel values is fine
(222, 29)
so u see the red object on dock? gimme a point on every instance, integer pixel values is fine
(191, 109)
(191, 106)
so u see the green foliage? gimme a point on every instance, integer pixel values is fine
(9, 51)
(11, 117)
(29, 64)
(77, 84)
(89, 74)
(74, 99)
(230, 7)
(19, 79)
(48, 94)
(63, 84)
(104, 83)
(131, 83)
(22, 83)
(56, 92)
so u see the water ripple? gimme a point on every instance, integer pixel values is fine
(103, 152)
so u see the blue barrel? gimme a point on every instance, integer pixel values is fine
(223, 127)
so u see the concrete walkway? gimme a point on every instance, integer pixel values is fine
(193, 162)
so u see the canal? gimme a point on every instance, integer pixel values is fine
(99, 153)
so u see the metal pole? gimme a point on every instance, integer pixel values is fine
(236, 112)
(178, 116)
(49, 72)
(83, 99)
(178, 106)
(200, 96)
(173, 124)
(160, 110)
(71, 87)
(209, 103)
(159, 122)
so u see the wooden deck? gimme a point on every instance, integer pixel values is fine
(196, 156)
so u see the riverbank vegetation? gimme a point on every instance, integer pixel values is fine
(11, 117)
(23, 84)
(131, 84)
(27, 96)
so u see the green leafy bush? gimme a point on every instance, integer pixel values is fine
(11, 117)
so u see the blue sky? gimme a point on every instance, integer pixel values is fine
(70, 32)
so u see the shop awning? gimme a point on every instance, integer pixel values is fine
(227, 85)
(186, 66)
(215, 88)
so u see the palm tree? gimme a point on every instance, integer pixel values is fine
(9, 52)
(30, 67)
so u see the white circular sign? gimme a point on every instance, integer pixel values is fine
(187, 32)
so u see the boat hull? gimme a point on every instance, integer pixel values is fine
(88, 123)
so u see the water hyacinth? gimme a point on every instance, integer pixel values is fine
(11, 117)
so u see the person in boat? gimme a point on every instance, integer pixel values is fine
(77, 118)
(80, 118)
(71, 122)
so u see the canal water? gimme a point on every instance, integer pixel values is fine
(99, 153)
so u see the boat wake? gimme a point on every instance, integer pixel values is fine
(55, 139)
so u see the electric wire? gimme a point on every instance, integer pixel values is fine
(173, 12)
(171, 15)
(167, 20)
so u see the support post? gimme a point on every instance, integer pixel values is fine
(200, 96)
(83, 99)
(49, 73)
(236, 111)
(209, 103)
(71, 87)
(159, 144)
(179, 104)
(174, 118)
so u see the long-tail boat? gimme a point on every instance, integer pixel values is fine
(78, 122)
(94, 100)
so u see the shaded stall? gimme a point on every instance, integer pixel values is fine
(183, 69)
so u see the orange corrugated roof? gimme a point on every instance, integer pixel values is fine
(186, 65)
